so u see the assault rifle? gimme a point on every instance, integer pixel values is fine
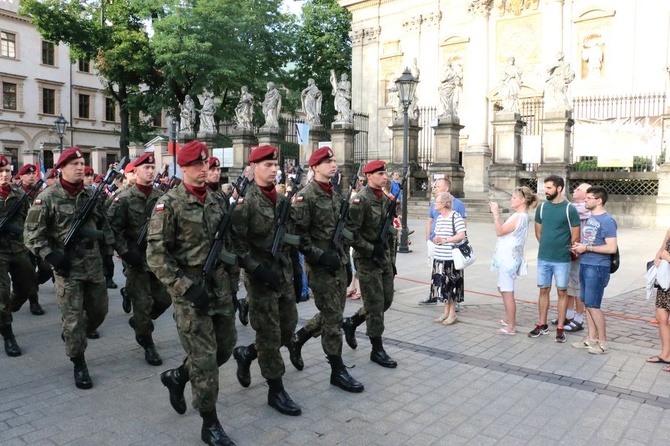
(284, 211)
(389, 216)
(78, 227)
(6, 221)
(340, 230)
(216, 252)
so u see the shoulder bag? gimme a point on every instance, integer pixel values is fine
(462, 253)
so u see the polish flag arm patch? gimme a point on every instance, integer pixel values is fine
(356, 200)
(240, 200)
(38, 201)
(160, 207)
(116, 200)
(299, 199)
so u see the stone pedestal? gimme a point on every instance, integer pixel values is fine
(412, 147)
(271, 136)
(503, 173)
(99, 160)
(476, 163)
(342, 140)
(663, 198)
(185, 137)
(556, 132)
(446, 157)
(243, 140)
(31, 157)
(317, 133)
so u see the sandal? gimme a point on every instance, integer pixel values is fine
(502, 323)
(451, 320)
(657, 360)
(666, 368)
(573, 326)
(441, 319)
(503, 331)
(356, 296)
(351, 292)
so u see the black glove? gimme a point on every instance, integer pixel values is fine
(297, 287)
(350, 274)
(330, 260)
(395, 270)
(266, 276)
(198, 297)
(379, 249)
(44, 272)
(60, 263)
(134, 259)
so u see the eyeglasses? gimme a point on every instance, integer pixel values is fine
(590, 198)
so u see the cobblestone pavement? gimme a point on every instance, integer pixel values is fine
(454, 385)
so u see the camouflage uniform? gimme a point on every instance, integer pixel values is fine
(181, 232)
(273, 314)
(365, 220)
(14, 257)
(81, 294)
(127, 214)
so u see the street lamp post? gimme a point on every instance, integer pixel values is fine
(406, 86)
(61, 125)
(173, 141)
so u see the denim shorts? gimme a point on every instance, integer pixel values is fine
(593, 280)
(559, 271)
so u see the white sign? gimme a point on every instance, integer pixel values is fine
(531, 152)
(302, 130)
(325, 144)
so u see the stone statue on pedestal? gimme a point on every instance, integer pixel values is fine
(311, 102)
(244, 110)
(449, 90)
(207, 124)
(556, 91)
(187, 115)
(342, 93)
(271, 107)
(510, 87)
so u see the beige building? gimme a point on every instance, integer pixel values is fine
(39, 83)
(617, 48)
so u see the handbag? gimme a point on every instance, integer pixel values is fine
(615, 260)
(463, 255)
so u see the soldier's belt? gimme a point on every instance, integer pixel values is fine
(291, 239)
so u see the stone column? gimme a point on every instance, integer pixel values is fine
(556, 132)
(98, 160)
(30, 157)
(477, 155)
(269, 136)
(412, 147)
(243, 140)
(317, 134)
(446, 158)
(342, 140)
(507, 129)
(552, 29)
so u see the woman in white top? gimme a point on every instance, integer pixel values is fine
(510, 251)
(447, 281)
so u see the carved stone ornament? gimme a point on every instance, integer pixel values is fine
(356, 37)
(432, 19)
(412, 23)
(371, 34)
(515, 7)
(481, 8)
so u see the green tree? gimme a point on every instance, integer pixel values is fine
(321, 44)
(113, 35)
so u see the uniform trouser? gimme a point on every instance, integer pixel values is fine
(83, 305)
(377, 291)
(208, 340)
(273, 315)
(24, 279)
(330, 297)
(22, 271)
(149, 296)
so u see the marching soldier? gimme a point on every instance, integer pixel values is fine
(89, 176)
(269, 282)
(128, 216)
(181, 232)
(80, 284)
(316, 211)
(52, 177)
(374, 262)
(13, 255)
(28, 175)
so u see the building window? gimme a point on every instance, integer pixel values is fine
(85, 65)
(8, 96)
(84, 105)
(48, 158)
(158, 120)
(48, 101)
(7, 45)
(110, 109)
(48, 53)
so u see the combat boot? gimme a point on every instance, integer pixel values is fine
(150, 354)
(35, 307)
(125, 303)
(212, 433)
(111, 284)
(340, 377)
(11, 347)
(295, 347)
(280, 400)
(81, 377)
(349, 327)
(243, 307)
(379, 355)
(175, 380)
(244, 357)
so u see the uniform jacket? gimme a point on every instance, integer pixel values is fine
(10, 242)
(365, 220)
(50, 218)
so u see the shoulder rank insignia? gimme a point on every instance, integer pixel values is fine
(160, 206)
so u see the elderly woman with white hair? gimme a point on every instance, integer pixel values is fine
(447, 281)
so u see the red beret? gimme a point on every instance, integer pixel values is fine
(130, 167)
(320, 155)
(70, 154)
(214, 162)
(88, 170)
(147, 158)
(52, 173)
(17, 177)
(27, 168)
(262, 153)
(193, 151)
(3, 161)
(99, 178)
(374, 166)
